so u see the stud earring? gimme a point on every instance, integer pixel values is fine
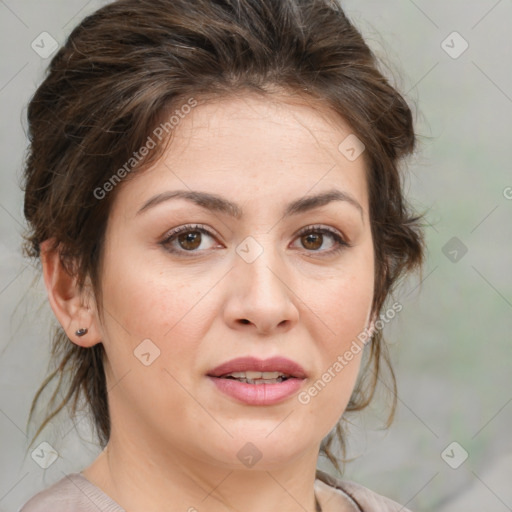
(81, 332)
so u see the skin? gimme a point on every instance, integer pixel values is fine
(175, 437)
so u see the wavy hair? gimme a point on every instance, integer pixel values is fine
(130, 63)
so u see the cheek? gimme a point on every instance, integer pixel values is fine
(147, 299)
(348, 308)
(342, 302)
(345, 316)
(342, 309)
(144, 301)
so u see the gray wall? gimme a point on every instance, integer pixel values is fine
(451, 342)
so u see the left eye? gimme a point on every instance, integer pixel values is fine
(313, 238)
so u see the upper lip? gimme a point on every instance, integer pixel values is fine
(274, 364)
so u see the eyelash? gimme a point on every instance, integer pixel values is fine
(317, 229)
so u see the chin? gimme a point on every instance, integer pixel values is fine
(259, 451)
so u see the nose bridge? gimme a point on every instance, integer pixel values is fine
(260, 290)
(259, 264)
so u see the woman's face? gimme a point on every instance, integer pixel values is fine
(260, 272)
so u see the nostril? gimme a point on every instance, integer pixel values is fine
(245, 321)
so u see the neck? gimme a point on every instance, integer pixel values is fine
(140, 478)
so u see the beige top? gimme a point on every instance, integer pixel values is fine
(74, 493)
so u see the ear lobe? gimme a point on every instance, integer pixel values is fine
(73, 308)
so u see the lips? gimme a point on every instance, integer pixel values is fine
(245, 364)
(259, 392)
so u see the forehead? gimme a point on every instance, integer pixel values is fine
(254, 146)
(275, 124)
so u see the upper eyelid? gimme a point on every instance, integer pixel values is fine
(320, 227)
(189, 227)
(212, 233)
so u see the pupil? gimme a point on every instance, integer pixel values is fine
(190, 240)
(311, 238)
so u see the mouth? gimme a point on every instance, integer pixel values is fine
(252, 369)
(258, 382)
(252, 377)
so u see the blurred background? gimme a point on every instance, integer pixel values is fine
(449, 448)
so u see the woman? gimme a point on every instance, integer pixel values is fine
(213, 190)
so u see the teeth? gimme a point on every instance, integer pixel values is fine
(256, 375)
(261, 381)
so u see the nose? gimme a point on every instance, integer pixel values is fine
(260, 295)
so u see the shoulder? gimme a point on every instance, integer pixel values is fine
(73, 493)
(365, 500)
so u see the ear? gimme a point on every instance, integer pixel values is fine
(74, 309)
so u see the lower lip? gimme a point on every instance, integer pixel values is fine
(258, 394)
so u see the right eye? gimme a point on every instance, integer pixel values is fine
(189, 238)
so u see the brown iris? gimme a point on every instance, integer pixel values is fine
(312, 241)
(190, 240)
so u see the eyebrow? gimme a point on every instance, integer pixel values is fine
(217, 203)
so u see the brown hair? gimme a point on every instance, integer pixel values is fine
(130, 63)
